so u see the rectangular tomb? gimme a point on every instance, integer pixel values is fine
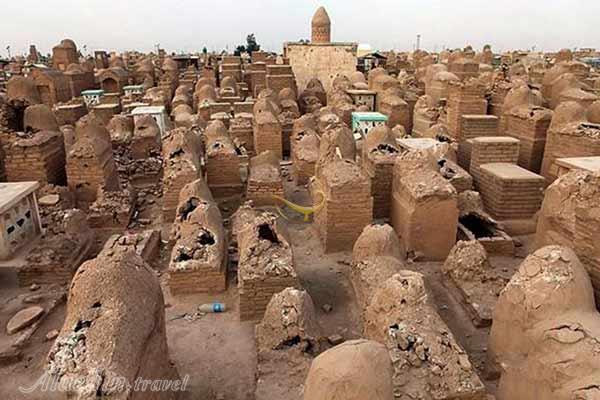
(266, 265)
(530, 126)
(566, 165)
(424, 213)
(19, 217)
(491, 149)
(511, 192)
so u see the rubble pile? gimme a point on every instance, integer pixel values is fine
(266, 264)
(426, 358)
(121, 320)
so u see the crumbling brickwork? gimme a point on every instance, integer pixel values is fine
(379, 154)
(90, 165)
(402, 316)
(267, 133)
(529, 125)
(264, 180)
(569, 140)
(424, 207)
(181, 164)
(222, 167)
(115, 312)
(38, 157)
(199, 257)
(266, 264)
(66, 244)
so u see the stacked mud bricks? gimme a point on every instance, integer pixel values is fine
(264, 180)
(220, 107)
(464, 98)
(499, 93)
(240, 130)
(207, 271)
(280, 77)
(223, 167)
(422, 122)
(267, 133)
(242, 107)
(255, 293)
(474, 126)
(348, 205)
(181, 166)
(510, 192)
(304, 154)
(464, 68)
(587, 226)
(569, 140)
(529, 125)
(258, 77)
(89, 167)
(491, 149)
(303, 169)
(263, 273)
(58, 269)
(41, 158)
(232, 66)
(203, 278)
(380, 168)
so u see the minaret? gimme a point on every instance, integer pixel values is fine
(321, 27)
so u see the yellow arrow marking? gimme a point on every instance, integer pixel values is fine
(306, 211)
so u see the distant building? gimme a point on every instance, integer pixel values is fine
(64, 55)
(320, 58)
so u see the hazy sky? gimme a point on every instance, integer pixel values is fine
(188, 25)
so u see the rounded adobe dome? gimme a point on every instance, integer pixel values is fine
(169, 65)
(68, 43)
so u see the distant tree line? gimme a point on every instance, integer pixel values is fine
(250, 47)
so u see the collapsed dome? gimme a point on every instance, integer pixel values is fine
(39, 117)
(550, 282)
(22, 90)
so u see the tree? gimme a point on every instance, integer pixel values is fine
(239, 50)
(204, 50)
(251, 44)
(250, 47)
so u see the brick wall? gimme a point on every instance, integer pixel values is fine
(463, 99)
(41, 158)
(530, 126)
(223, 167)
(510, 192)
(474, 126)
(348, 205)
(380, 168)
(241, 131)
(267, 134)
(493, 149)
(572, 140)
(89, 167)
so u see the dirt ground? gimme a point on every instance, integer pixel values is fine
(217, 351)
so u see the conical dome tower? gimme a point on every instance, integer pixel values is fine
(321, 27)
